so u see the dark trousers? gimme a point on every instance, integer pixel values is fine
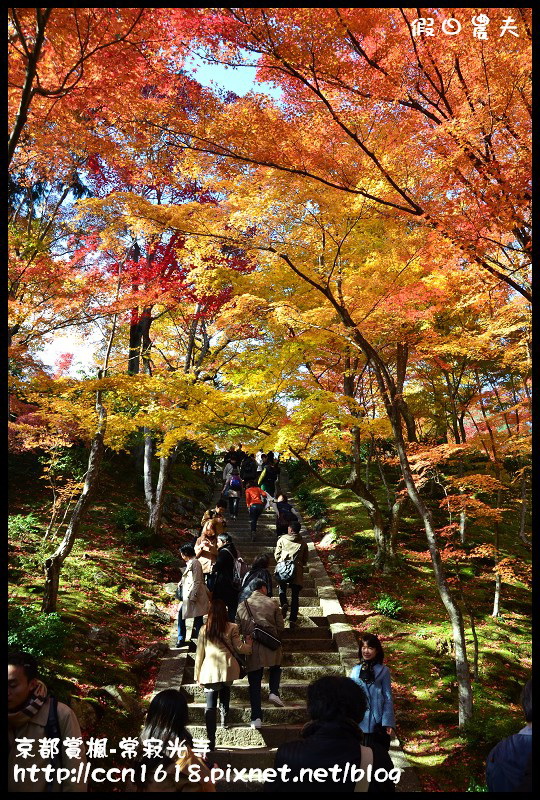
(232, 607)
(295, 598)
(197, 625)
(255, 511)
(255, 681)
(379, 737)
(221, 693)
(233, 506)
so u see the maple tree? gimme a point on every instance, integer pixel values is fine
(377, 113)
(341, 274)
(331, 266)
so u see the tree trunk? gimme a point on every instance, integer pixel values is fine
(385, 556)
(384, 528)
(462, 526)
(53, 564)
(497, 596)
(522, 535)
(368, 460)
(452, 609)
(498, 582)
(156, 507)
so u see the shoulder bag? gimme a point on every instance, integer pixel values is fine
(260, 634)
(240, 658)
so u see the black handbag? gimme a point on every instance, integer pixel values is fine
(261, 635)
(178, 592)
(240, 658)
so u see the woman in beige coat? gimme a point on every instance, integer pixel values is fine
(195, 598)
(264, 611)
(206, 548)
(216, 666)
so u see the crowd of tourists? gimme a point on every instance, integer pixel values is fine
(351, 720)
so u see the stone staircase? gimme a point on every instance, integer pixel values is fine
(322, 643)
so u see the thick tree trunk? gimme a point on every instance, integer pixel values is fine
(462, 526)
(156, 507)
(522, 535)
(53, 564)
(497, 596)
(452, 609)
(385, 556)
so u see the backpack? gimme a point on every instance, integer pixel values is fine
(235, 482)
(52, 731)
(286, 568)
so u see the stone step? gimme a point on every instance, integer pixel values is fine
(293, 657)
(288, 673)
(307, 592)
(302, 645)
(290, 692)
(317, 632)
(310, 610)
(291, 714)
(309, 658)
(244, 736)
(308, 621)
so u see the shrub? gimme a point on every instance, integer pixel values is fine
(483, 729)
(359, 545)
(315, 507)
(126, 518)
(303, 493)
(42, 635)
(387, 606)
(141, 538)
(474, 786)
(359, 573)
(161, 558)
(19, 524)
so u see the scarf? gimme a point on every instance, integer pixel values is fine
(367, 673)
(34, 703)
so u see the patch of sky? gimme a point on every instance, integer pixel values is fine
(239, 79)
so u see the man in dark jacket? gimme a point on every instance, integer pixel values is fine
(508, 764)
(330, 744)
(248, 470)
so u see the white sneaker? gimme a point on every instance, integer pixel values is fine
(256, 723)
(276, 700)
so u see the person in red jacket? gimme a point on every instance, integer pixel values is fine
(256, 503)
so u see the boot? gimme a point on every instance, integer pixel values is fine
(210, 718)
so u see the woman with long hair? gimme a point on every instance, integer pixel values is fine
(216, 665)
(166, 721)
(378, 724)
(222, 579)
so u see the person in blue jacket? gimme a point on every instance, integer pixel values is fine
(509, 764)
(378, 724)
